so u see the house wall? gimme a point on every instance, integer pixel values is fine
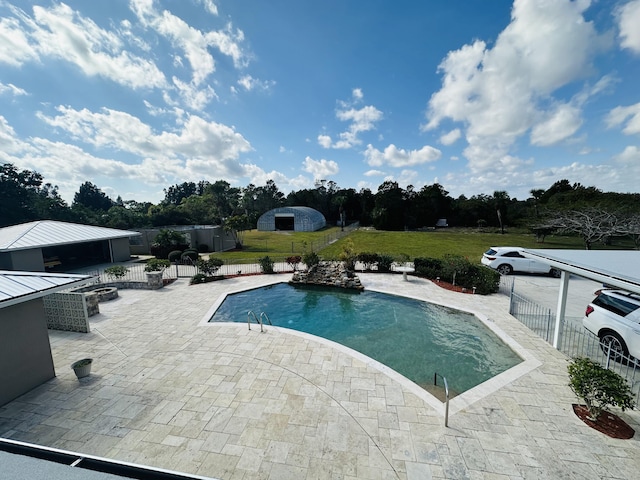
(120, 249)
(27, 260)
(25, 353)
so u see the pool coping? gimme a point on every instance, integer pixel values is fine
(456, 404)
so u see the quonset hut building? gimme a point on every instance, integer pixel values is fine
(298, 219)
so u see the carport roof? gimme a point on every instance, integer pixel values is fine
(48, 233)
(18, 287)
(619, 268)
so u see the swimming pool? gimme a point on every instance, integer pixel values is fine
(413, 337)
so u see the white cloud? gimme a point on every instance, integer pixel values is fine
(559, 125)
(451, 137)
(619, 115)
(217, 145)
(63, 33)
(258, 176)
(191, 95)
(630, 156)
(374, 173)
(395, 157)
(320, 168)
(191, 41)
(500, 93)
(11, 89)
(628, 17)
(324, 141)
(362, 120)
(211, 7)
(249, 83)
(15, 48)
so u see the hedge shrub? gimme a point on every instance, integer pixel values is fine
(384, 263)
(369, 259)
(467, 275)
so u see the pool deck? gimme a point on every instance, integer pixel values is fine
(217, 400)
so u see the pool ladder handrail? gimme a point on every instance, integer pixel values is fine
(265, 316)
(446, 396)
(258, 319)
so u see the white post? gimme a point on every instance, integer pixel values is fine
(562, 306)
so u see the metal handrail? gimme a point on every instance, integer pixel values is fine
(257, 319)
(446, 395)
(265, 316)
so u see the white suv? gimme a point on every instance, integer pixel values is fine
(507, 260)
(614, 316)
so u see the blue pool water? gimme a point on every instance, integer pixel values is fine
(412, 337)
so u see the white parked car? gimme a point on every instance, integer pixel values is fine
(614, 316)
(508, 260)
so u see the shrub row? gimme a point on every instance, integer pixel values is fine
(382, 261)
(459, 271)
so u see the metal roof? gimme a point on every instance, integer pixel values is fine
(18, 287)
(619, 268)
(48, 233)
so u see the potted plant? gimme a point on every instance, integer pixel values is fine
(82, 368)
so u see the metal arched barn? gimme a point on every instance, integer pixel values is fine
(298, 219)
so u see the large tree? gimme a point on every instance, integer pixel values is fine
(24, 198)
(90, 196)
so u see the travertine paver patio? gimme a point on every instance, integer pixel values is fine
(222, 401)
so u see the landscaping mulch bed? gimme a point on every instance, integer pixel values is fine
(608, 423)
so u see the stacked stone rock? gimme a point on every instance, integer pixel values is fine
(330, 274)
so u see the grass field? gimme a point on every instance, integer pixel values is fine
(466, 242)
(436, 244)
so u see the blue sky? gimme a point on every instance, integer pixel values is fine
(476, 95)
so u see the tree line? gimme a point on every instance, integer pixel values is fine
(26, 197)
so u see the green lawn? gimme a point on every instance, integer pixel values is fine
(469, 243)
(280, 244)
(465, 242)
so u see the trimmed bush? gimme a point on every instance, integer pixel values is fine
(369, 259)
(156, 265)
(203, 248)
(209, 267)
(174, 255)
(598, 387)
(116, 271)
(384, 263)
(428, 267)
(485, 279)
(467, 275)
(198, 278)
(266, 264)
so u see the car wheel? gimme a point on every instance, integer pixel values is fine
(613, 342)
(555, 273)
(504, 269)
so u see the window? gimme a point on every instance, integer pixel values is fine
(616, 305)
(513, 254)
